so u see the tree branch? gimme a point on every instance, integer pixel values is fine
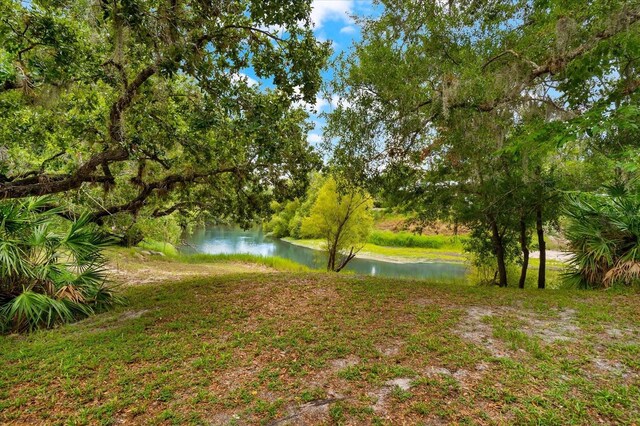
(133, 206)
(43, 184)
(508, 52)
(116, 130)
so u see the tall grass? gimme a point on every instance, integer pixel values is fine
(165, 248)
(278, 263)
(171, 253)
(408, 239)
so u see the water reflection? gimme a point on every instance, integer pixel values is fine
(230, 240)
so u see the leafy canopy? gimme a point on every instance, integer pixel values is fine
(472, 111)
(143, 107)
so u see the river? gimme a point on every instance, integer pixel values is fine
(230, 240)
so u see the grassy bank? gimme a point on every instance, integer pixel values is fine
(277, 263)
(393, 254)
(409, 239)
(172, 254)
(253, 348)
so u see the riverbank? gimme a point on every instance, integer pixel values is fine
(556, 259)
(248, 344)
(392, 254)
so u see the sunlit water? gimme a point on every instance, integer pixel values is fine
(229, 240)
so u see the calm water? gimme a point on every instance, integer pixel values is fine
(218, 239)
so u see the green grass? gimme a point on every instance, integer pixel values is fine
(252, 347)
(275, 262)
(409, 239)
(167, 249)
(128, 256)
(394, 254)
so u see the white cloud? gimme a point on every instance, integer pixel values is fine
(243, 77)
(250, 81)
(349, 29)
(324, 104)
(337, 101)
(321, 103)
(330, 10)
(314, 138)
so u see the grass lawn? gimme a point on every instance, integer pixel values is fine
(246, 344)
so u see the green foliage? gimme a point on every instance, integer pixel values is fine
(604, 237)
(166, 228)
(459, 112)
(288, 217)
(163, 247)
(409, 239)
(143, 108)
(343, 220)
(280, 224)
(51, 271)
(132, 230)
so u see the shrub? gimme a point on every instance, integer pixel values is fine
(51, 270)
(279, 224)
(131, 230)
(604, 237)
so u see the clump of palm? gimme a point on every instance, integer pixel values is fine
(604, 236)
(51, 270)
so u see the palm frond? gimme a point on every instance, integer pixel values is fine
(49, 274)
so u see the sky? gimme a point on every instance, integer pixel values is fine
(333, 22)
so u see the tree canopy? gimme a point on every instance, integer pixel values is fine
(484, 112)
(143, 105)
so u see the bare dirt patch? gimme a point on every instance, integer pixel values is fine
(559, 326)
(389, 349)
(312, 412)
(562, 328)
(474, 329)
(342, 363)
(381, 395)
(151, 271)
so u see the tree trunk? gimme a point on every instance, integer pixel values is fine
(331, 259)
(498, 245)
(525, 253)
(542, 247)
(346, 260)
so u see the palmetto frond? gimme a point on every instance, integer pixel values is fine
(50, 271)
(604, 235)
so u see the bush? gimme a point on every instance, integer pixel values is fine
(604, 237)
(51, 270)
(279, 224)
(131, 230)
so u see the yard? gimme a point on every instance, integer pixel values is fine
(240, 343)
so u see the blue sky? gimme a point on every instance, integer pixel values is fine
(332, 21)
